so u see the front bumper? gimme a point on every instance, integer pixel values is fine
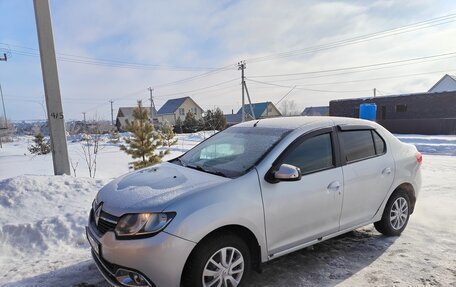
(160, 259)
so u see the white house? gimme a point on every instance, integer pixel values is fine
(446, 84)
(178, 108)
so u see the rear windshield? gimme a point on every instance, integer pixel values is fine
(234, 151)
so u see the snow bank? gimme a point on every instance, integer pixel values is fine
(438, 145)
(43, 217)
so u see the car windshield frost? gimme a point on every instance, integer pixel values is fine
(234, 151)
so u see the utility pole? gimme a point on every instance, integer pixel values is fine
(5, 58)
(4, 116)
(84, 113)
(241, 66)
(51, 87)
(152, 105)
(3, 104)
(112, 112)
(375, 92)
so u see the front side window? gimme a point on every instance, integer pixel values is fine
(233, 151)
(182, 111)
(312, 155)
(357, 145)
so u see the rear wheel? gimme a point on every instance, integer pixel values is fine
(220, 261)
(395, 216)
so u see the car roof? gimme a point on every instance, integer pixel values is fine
(301, 121)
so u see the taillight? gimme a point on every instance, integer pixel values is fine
(419, 158)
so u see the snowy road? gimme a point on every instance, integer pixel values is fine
(425, 254)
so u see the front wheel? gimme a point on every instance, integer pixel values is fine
(395, 216)
(222, 261)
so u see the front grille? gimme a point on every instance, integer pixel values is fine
(106, 222)
(105, 226)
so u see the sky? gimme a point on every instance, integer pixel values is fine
(311, 52)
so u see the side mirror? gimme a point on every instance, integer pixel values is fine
(287, 172)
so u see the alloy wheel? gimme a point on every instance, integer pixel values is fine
(399, 213)
(224, 269)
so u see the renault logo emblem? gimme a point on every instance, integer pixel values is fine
(97, 214)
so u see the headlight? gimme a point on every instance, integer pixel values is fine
(143, 223)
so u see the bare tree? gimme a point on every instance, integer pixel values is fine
(7, 131)
(289, 108)
(74, 166)
(90, 149)
(90, 145)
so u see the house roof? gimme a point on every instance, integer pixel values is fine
(258, 109)
(233, 118)
(316, 111)
(173, 104)
(443, 78)
(127, 112)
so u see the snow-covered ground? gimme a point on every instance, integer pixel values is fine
(16, 160)
(42, 218)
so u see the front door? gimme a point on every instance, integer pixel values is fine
(297, 212)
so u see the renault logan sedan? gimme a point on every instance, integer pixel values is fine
(249, 194)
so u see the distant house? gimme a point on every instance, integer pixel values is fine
(446, 84)
(126, 113)
(260, 110)
(431, 113)
(316, 111)
(178, 108)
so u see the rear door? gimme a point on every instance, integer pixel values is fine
(368, 169)
(300, 211)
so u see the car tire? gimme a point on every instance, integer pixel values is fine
(396, 215)
(211, 250)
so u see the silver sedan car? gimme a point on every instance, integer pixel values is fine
(249, 194)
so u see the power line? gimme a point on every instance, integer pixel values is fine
(364, 70)
(306, 89)
(359, 39)
(105, 62)
(355, 67)
(289, 92)
(363, 80)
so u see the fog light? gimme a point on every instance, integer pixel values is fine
(131, 278)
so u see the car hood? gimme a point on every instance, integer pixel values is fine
(152, 189)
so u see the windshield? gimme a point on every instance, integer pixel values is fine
(232, 152)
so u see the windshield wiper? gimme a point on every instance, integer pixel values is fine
(179, 160)
(200, 168)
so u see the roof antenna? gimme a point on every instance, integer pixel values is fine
(255, 124)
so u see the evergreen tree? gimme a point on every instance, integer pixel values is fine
(208, 121)
(215, 120)
(219, 119)
(190, 123)
(144, 141)
(168, 135)
(114, 136)
(40, 146)
(178, 126)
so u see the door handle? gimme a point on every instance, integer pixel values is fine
(334, 186)
(386, 171)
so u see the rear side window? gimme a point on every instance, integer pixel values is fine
(312, 155)
(357, 145)
(380, 147)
